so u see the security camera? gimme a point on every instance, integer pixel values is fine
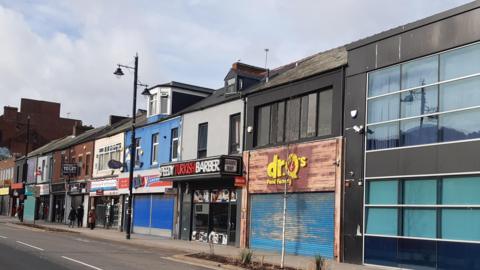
(358, 129)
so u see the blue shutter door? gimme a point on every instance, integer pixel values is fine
(309, 224)
(162, 212)
(141, 211)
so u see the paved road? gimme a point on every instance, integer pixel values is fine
(29, 248)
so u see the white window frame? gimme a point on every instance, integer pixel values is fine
(154, 153)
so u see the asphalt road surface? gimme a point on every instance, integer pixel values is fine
(33, 249)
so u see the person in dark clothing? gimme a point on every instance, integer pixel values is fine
(71, 217)
(91, 218)
(79, 216)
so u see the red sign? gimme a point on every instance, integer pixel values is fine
(123, 183)
(99, 192)
(240, 181)
(17, 186)
(185, 168)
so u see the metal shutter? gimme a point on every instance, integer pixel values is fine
(309, 224)
(141, 211)
(162, 212)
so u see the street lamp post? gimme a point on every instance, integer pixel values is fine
(25, 167)
(118, 72)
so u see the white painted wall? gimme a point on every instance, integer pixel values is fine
(44, 170)
(218, 119)
(112, 140)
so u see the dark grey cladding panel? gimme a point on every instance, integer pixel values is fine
(361, 60)
(434, 159)
(442, 35)
(429, 39)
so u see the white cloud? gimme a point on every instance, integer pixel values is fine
(66, 51)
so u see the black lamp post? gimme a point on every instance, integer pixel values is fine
(118, 72)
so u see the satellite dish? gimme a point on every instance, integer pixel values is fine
(114, 164)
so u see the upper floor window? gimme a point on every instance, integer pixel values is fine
(231, 86)
(43, 169)
(138, 147)
(87, 164)
(428, 100)
(202, 140)
(297, 118)
(174, 145)
(234, 140)
(107, 153)
(164, 104)
(152, 104)
(154, 158)
(80, 165)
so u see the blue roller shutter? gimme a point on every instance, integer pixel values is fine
(309, 223)
(162, 212)
(141, 211)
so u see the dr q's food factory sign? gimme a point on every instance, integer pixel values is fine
(282, 171)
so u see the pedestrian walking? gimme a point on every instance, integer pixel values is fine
(80, 216)
(20, 212)
(91, 218)
(71, 217)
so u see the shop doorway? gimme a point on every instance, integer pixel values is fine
(58, 208)
(43, 207)
(215, 216)
(107, 211)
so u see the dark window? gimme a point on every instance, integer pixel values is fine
(308, 116)
(164, 104)
(263, 125)
(234, 145)
(202, 140)
(87, 164)
(174, 145)
(292, 124)
(154, 153)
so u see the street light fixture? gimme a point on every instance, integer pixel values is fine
(119, 73)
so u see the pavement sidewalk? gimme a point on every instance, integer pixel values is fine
(297, 262)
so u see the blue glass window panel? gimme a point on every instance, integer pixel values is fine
(461, 191)
(421, 130)
(462, 125)
(420, 101)
(460, 94)
(420, 72)
(383, 136)
(383, 192)
(458, 256)
(382, 221)
(417, 254)
(384, 81)
(422, 191)
(460, 62)
(384, 108)
(420, 223)
(461, 224)
(381, 250)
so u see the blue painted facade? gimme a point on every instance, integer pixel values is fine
(145, 133)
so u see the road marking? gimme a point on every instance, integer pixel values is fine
(82, 240)
(82, 263)
(4, 237)
(28, 245)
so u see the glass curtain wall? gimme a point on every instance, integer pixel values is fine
(428, 100)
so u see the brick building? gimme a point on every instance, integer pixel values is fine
(45, 125)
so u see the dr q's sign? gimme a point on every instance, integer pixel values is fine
(282, 171)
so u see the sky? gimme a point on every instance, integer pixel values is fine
(66, 51)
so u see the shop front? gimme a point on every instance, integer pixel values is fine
(306, 179)
(207, 198)
(58, 207)
(4, 201)
(105, 198)
(43, 202)
(17, 194)
(78, 196)
(153, 204)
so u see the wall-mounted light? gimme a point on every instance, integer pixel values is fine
(354, 113)
(249, 129)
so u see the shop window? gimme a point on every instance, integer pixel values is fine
(420, 101)
(461, 191)
(423, 191)
(202, 140)
(174, 144)
(461, 224)
(382, 221)
(420, 222)
(234, 140)
(154, 157)
(383, 108)
(384, 81)
(460, 62)
(383, 192)
(420, 72)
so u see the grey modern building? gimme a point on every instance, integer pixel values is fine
(412, 133)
